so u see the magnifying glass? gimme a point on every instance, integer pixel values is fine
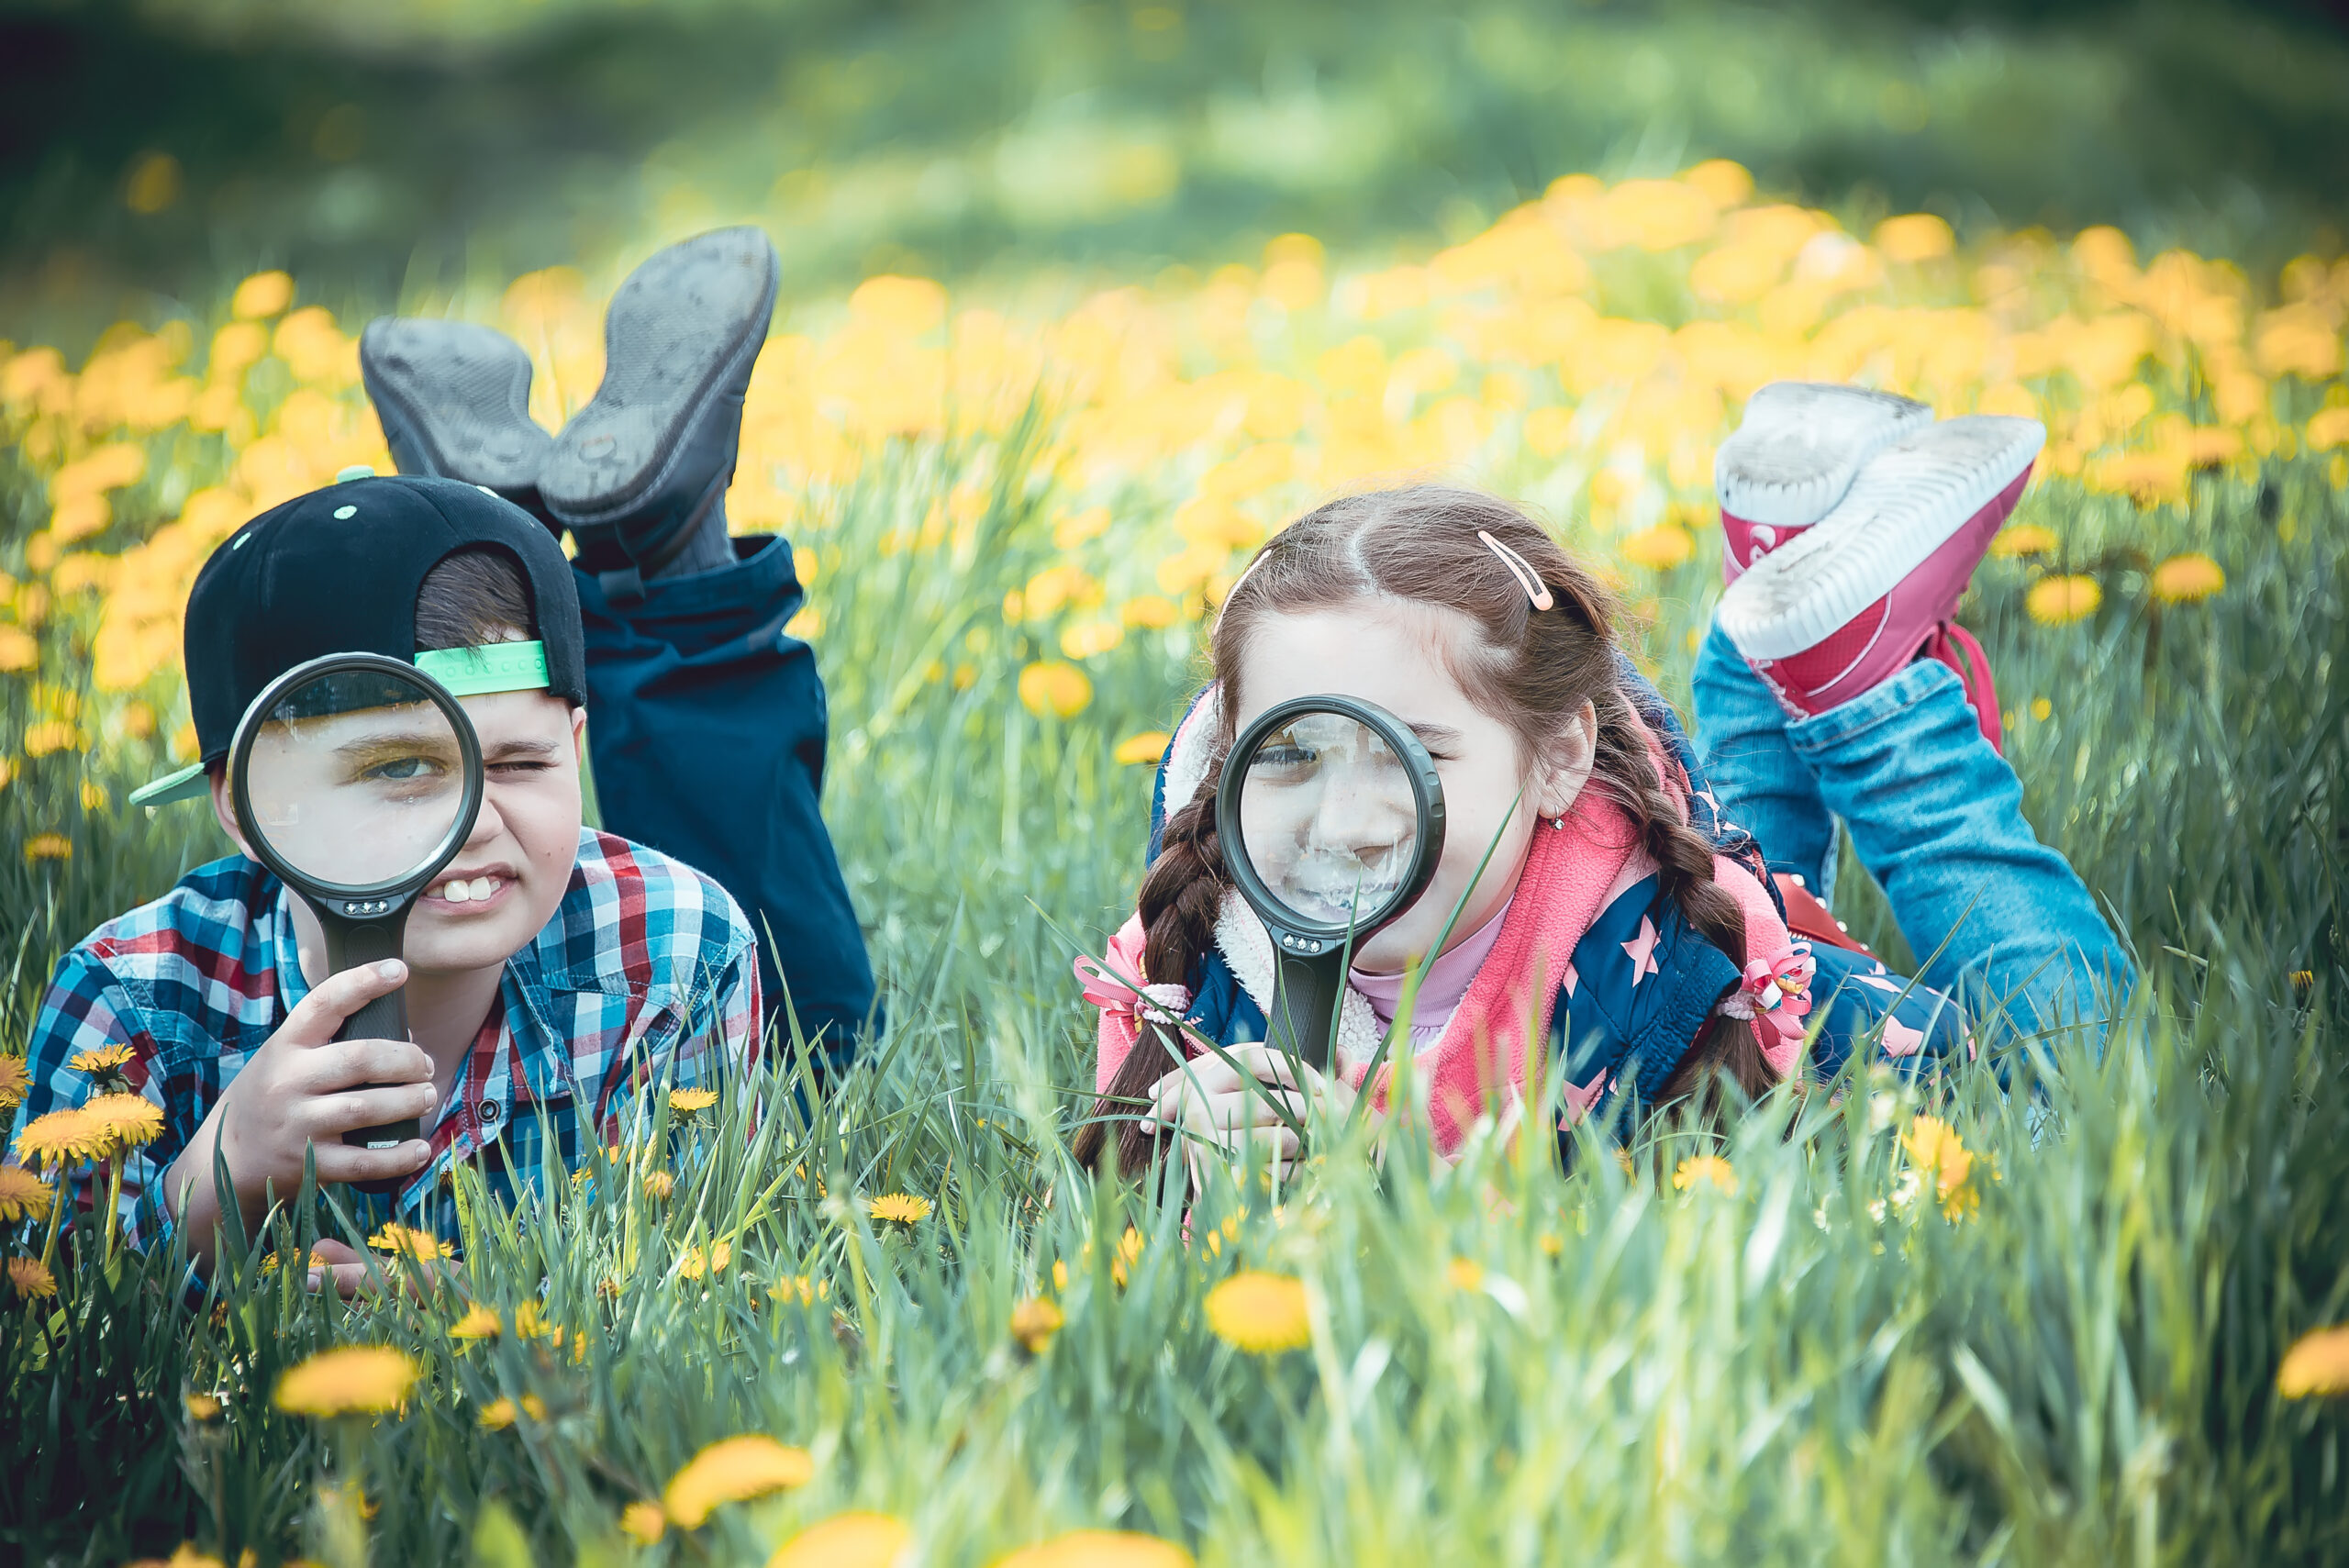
(1332, 820)
(356, 779)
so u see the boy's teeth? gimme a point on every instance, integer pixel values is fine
(484, 889)
(458, 892)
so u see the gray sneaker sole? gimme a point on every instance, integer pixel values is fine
(685, 324)
(454, 400)
(1800, 445)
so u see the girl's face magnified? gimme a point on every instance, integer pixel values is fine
(1334, 814)
(1330, 820)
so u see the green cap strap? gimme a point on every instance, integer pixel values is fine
(493, 667)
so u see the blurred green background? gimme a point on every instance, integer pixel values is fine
(150, 150)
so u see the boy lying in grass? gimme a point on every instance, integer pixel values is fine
(553, 974)
(1636, 930)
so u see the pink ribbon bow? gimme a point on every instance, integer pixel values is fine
(1777, 990)
(1106, 990)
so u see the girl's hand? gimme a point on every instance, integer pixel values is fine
(1207, 1099)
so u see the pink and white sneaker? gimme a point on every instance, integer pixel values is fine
(1794, 454)
(1856, 596)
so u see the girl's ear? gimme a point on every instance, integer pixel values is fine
(1566, 768)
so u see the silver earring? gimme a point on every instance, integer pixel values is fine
(1558, 823)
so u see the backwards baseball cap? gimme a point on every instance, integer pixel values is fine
(337, 571)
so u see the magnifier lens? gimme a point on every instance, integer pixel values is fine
(356, 778)
(1329, 820)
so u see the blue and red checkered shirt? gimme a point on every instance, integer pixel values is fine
(648, 973)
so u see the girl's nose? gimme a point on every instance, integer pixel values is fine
(1370, 822)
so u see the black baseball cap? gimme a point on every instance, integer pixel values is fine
(337, 571)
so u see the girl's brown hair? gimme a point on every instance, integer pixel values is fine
(1532, 669)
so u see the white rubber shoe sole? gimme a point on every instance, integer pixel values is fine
(1800, 445)
(1912, 498)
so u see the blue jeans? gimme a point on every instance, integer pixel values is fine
(706, 725)
(1995, 916)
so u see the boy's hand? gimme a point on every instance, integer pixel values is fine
(1205, 1097)
(304, 1087)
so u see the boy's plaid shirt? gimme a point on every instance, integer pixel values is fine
(647, 972)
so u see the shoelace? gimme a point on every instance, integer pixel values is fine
(1955, 647)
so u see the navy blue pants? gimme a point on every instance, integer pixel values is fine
(706, 727)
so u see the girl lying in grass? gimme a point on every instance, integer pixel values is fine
(1630, 928)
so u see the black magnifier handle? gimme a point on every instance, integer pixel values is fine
(1305, 1002)
(350, 945)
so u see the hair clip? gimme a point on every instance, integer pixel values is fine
(1233, 591)
(1520, 568)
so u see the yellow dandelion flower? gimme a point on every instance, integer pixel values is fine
(690, 1101)
(1465, 1273)
(2060, 601)
(1154, 612)
(186, 1556)
(659, 1186)
(1552, 1243)
(421, 1245)
(731, 1471)
(1707, 1168)
(1146, 746)
(47, 846)
(1034, 1322)
(2042, 710)
(696, 1263)
(534, 1408)
(201, 1407)
(2022, 539)
(13, 1081)
(847, 1540)
(23, 1195)
(1934, 1149)
(30, 1279)
(2187, 579)
(799, 1288)
(64, 1136)
(1664, 547)
(124, 1122)
(643, 1523)
(1261, 1313)
(1050, 686)
(2318, 1362)
(101, 1060)
(1099, 1548)
(901, 1208)
(478, 1323)
(353, 1378)
(498, 1415)
(1915, 237)
(261, 294)
(530, 1322)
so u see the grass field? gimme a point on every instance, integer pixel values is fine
(2056, 1340)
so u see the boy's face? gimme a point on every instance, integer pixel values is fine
(513, 871)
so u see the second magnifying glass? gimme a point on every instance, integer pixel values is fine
(356, 779)
(1330, 815)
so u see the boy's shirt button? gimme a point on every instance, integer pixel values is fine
(486, 1110)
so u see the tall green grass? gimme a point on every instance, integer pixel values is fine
(1510, 1363)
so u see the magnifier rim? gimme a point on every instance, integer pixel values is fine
(1427, 793)
(241, 758)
